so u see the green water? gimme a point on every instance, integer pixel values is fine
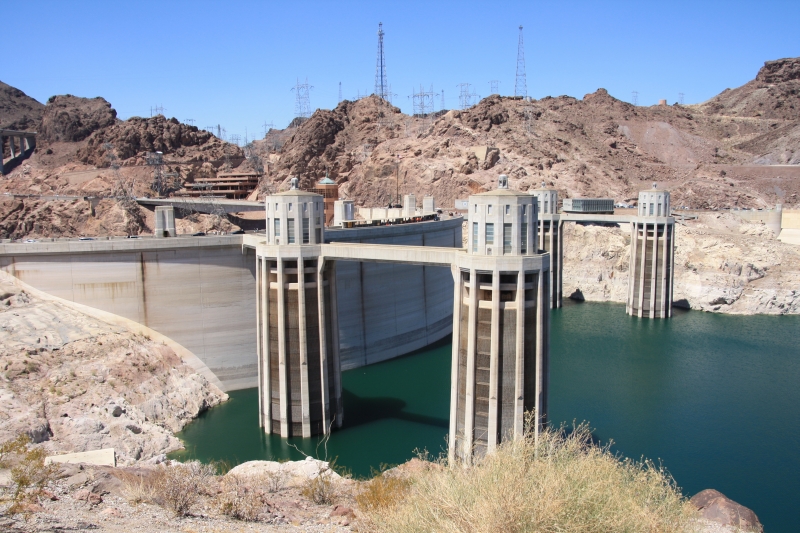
(715, 397)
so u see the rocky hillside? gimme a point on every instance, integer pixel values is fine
(18, 111)
(76, 383)
(595, 146)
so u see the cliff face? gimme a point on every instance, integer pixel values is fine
(76, 383)
(721, 264)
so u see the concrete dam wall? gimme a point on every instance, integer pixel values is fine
(200, 291)
(386, 310)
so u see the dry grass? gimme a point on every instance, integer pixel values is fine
(563, 483)
(242, 497)
(179, 487)
(321, 489)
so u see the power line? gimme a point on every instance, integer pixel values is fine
(521, 84)
(381, 85)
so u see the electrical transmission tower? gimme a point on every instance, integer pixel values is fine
(189, 121)
(235, 138)
(157, 109)
(635, 97)
(381, 85)
(443, 104)
(302, 104)
(521, 85)
(267, 127)
(494, 86)
(680, 98)
(466, 99)
(340, 92)
(423, 106)
(156, 160)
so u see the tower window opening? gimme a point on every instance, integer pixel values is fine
(290, 230)
(488, 209)
(474, 237)
(508, 210)
(651, 208)
(277, 230)
(524, 238)
(305, 231)
(489, 233)
(506, 238)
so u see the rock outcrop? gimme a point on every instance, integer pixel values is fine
(722, 264)
(718, 508)
(75, 383)
(136, 136)
(18, 111)
(68, 118)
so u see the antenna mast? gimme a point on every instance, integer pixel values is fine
(521, 85)
(381, 86)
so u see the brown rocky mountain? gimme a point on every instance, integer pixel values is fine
(739, 149)
(71, 118)
(717, 154)
(18, 111)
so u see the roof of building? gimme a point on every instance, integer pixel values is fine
(296, 192)
(327, 181)
(503, 192)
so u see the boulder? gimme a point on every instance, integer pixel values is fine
(716, 507)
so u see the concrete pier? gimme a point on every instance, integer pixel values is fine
(551, 239)
(652, 261)
(165, 221)
(24, 140)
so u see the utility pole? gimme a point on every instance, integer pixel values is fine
(521, 84)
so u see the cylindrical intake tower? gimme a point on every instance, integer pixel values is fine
(652, 257)
(299, 387)
(551, 239)
(500, 325)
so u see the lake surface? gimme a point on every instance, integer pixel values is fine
(715, 397)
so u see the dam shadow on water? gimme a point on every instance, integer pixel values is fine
(714, 397)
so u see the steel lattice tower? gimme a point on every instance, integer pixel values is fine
(521, 85)
(302, 105)
(381, 85)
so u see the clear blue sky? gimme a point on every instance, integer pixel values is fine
(233, 63)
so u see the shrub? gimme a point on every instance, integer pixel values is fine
(178, 487)
(561, 481)
(29, 474)
(320, 489)
(137, 488)
(241, 497)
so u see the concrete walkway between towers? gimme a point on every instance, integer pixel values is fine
(387, 253)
